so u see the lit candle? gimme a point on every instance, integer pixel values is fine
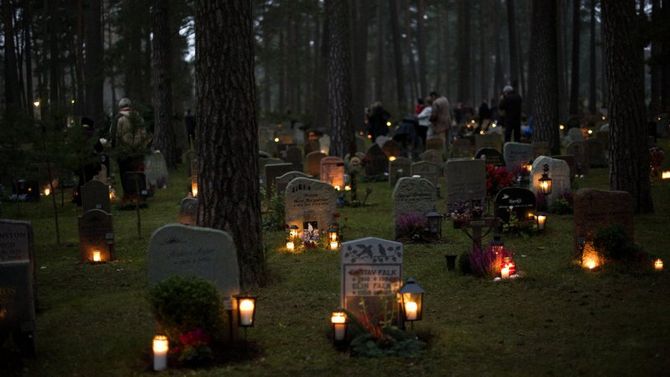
(544, 186)
(47, 191)
(347, 188)
(290, 245)
(665, 174)
(194, 189)
(337, 188)
(541, 220)
(504, 272)
(392, 158)
(590, 263)
(246, 312)
(334, 245)
(97, 257)
(531, 216)
(658, 264)
(411, 309)
(160, 347)
(339, 320)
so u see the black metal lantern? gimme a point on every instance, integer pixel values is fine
(338, 319)
(434, 223)
(545, 181)
(411, 300)
(246, 310)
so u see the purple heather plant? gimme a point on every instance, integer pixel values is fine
(410, 224)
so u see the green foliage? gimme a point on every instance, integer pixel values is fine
(615, 244)
(181, 305)
(394, 342)
(560, 206)
(275, 219)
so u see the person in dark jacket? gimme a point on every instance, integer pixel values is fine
(510, 110)
(377, 121)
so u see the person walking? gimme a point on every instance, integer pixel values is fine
(130, 143)
(510, 110)
(440, 118)
(424, 122)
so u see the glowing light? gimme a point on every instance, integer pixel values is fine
(604, 117)
(411, 310)
(339, 322)
(246, 308)
(590, 132)
(665, 174)
(369, 136)
(392, 158)
(290, 245)
(72, 101)
(541, 221)
(561, 127)
(36, 103)
(590, 257)
(481, 132)
(276, 140)
(388, 124)
(658, 264)
(97, 256)
(47, 191)
(334, 245)
(504, 272)
(347, 188)
(160, 348)
(194, 189)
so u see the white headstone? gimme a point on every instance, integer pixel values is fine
(559, 172)
(310, 201)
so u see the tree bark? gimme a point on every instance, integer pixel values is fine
(397, 54)
(421, 46)
(464, 79)
(359, 41)
(629, 153)
(339, 79)
(592, 59)
(574, 74)
(513, 48)
(227, 131)
(498, 79)
(28, 51)
(655, 63)
(379, 66)
(93, 65)
(163, 139)
(12, 92)
(546, 73)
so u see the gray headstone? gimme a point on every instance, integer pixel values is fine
(559, 172)
(190, 251)
(412, 196)
(17, 301)
(332, 171)
(490, 140)
(95, 195)
(294, 156)
(375, 161)
(310, 201)
(432, 155)
(466, 181)
(96, 233)
(16, 241)
(427, 170)
(314, 163)
(462, 148)
(490, 156)
(575, 134)
(156, 170)
(188, 211)
(597, 209)
(516, 154)
(371, 276)
(578, 149)
(597, 153)
(282, 181)
(273, 171)
(398, 168)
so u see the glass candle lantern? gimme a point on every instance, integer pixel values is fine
(160, 348)
(545, 182)
(411, 298)
(246, 310)
(338, 320)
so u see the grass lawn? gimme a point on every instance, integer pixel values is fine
(558, 320)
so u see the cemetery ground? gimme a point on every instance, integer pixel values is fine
(95, 320)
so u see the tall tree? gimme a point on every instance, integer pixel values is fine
(574, 74)
(464, 65)
(655, 61)
(361, 11)
(629, 153)
(545, 46)
(164, 139)
(513, 45)
(498, 76)
(379, 65)
(592, 59)
(421, 45)
(93, 66)
(227, 131)
(12, 91)
(397, 53)
(339, 79)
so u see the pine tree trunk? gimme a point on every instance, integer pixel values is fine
(498, 78)
(93, 65)
(592, 59)
(163, 139)
(397, 53)
(339, 79)
(484, 54)
(513, 49)
(12, 92)
(380, 62)
(227, 131)
(546, 73)
(28, 50)
(421, 46)
(359, 42)
(464, 74)
(665, 49)
(629, 153)
(563, 95)
(655, 64)
(574, 74)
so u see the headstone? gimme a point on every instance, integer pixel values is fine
(282, 181)
(96, 233)
(462, 148)
(398, 168)
(432, 155)
(156, 170)
(559, 172)
(273, 171)
(490, 156)
(294, 156)
(427, 170)
(517, 154)
(361, 142)
(412, 196)
(597, 209)
(16, 241)
(519, 201)
(540, 148)
(17, 303)
(312, 146)
(578, 149)
(332, 171)
(310, 201)
(435, 143)
(188, 211)
(375, 161)
(575, 134)
(391, 148)
(371, 276)
(314, 163)
(95, 195)
(596, 151)
(466, 181)
(324, 144)
(190, 251)
(570, 160)
(488, 141)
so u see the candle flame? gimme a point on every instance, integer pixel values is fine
(97, 256)
(658, 264)
(665, 174)
(160, 343)
(338, 317)
(590, 257)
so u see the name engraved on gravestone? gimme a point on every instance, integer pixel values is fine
(466, 181)
(518, 201)
(190, 251)
(16, 241)
(516, 154)
(95, 195)
(491, 156)
(371, 276)
(282, 181)
(309, 200)
(597, 209)
(332, 171)
(96, 233)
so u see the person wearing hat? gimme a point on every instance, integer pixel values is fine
(130, 142)
(510, 110)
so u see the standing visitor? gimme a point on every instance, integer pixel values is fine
(510, 110)
(130, 143)
(440, 118)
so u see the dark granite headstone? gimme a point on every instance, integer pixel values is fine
(490, 156)
(96, 233)
(95, 195)
(375, 161)
(188, 211)
(597, 209)
(515, 200)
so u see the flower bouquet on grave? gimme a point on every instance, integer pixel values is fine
(465, 211)
(497, 178)
(411, 226)
(310, 237)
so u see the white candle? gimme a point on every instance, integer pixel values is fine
(160, 348)
(97, 257)
(541, 220)
(504, 272)
(334, 245)
(290, 245)
(411, 310)
(658, 264)
(339, 325)
(246, 312)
